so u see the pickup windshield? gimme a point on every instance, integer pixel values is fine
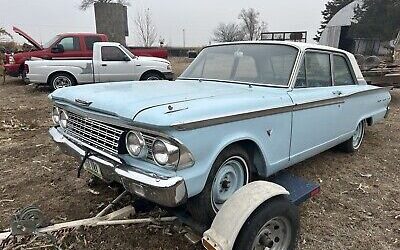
(51, 42)
(269, 64)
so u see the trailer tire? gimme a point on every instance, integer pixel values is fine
(205, 205)
(273, 225)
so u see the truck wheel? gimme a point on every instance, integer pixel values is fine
(354, 143)
(152, 76)
(230, 172)
(23, 75)
(273, 225)
(62, 80)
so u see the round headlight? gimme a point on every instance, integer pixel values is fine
(55, 115)
(135, 143)
(63, 119)
(165, 153)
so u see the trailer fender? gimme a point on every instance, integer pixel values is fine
(235, 211)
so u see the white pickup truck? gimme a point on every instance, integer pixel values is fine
(111, 62)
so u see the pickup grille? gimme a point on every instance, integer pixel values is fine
(97, 134)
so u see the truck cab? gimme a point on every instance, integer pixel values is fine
(66, 46)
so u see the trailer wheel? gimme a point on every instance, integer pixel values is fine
(62, 80)
(230, 171)
(273, 225)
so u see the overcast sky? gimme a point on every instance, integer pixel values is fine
(43, 19)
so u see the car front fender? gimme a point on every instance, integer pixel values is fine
(235, 212)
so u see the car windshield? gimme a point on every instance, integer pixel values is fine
(269, 64)
(51, 42)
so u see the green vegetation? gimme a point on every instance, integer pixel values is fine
(377, 19)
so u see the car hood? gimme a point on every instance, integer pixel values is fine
(166, 103)
(27, 37)
(153, 59)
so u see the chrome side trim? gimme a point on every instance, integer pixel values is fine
(266, 112)
(317, 104)
(231, 118)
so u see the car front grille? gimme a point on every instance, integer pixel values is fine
(94, 133)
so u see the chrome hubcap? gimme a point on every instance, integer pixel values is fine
(358, 135)
(61, 82)
(275, 235)
(153, 78)
(230, 177)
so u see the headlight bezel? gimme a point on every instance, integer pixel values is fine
(142, 144)
(55, 115)
(171, 150)
(63, 119)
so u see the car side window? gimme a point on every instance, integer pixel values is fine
(70, 43)
(341, 71)
(90, 40)
(109, 53)
(315, 71)
(301, 81)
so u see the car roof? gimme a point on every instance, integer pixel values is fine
(81, 34)
(299, 45)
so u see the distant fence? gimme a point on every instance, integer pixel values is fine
(182, 51)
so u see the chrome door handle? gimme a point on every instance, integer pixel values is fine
(338, 92)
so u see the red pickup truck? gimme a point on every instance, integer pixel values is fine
(67, 45)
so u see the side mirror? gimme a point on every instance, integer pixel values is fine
(126, 58)
(59, 48)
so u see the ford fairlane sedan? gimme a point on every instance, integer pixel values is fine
(240, 112)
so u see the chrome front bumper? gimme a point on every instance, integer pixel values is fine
(166, 191)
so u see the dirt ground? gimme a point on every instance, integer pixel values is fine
(359, 207)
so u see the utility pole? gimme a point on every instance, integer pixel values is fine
(184, 38)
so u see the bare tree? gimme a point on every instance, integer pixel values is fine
(229, 32)
(87, 3)
(252, 25)
(145, 28)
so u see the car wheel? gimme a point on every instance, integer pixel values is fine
(273, 225)
(230, 171)
(354, 143)
(62, 80)
(152, 76)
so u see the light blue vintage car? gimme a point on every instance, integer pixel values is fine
(240, 112)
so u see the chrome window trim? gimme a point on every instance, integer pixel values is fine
(349, 66)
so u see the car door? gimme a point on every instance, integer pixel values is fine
(71, 48)
(345, 83)
(317, 106)
(115, 65)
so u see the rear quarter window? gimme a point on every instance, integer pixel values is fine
(90, 40)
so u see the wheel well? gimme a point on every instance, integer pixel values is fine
(60, 72)
(255, 155)
(369, 121)
(151, 71)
